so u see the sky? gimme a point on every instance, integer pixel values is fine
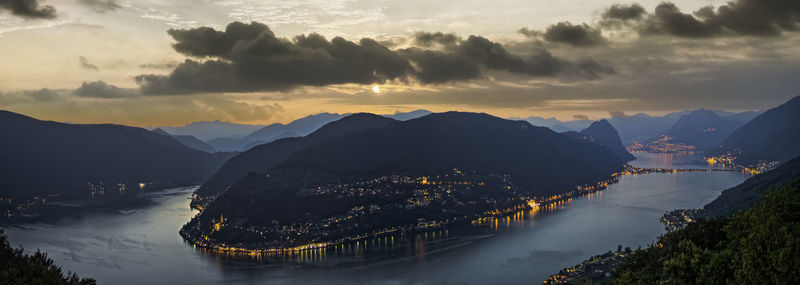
(171, 62)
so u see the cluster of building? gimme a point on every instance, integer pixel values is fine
(677, 219)
(729, 161)
(661, 145)
(595, 270)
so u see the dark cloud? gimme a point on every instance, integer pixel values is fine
(29, 9)
(530, 33)
(101, 6)
(40, 95)
(458, 59)
(424, 39)
(100, 89)
(249, 57)
(738, 17)
(579, 117)
(620, 114)
(624, 12)
(575, 35)
(84, 63)
(668, 19)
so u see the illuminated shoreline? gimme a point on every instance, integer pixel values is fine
(524, 203)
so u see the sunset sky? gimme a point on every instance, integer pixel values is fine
(171, 62)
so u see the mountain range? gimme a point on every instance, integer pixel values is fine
(277, 185)
(771, 136)
(41, 158)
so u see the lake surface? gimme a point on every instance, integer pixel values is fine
(143, 246)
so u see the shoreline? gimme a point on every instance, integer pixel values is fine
(525, 204)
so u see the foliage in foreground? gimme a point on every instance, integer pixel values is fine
(19, 268)
(758, 246)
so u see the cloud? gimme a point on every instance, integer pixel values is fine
(40, 95)
(162, 65)
(86, 65)
(101, 89)
(29, 9)
(620, 114)
(625, 12)
(575, 35)
(249, 57)
(736, 18)
(101, 6)
(579, 117)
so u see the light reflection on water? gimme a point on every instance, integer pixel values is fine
(143, 246)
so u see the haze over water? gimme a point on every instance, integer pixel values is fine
(143, 246)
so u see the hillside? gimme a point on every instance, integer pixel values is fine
(771, 136)
(188, 140)
(747, 194)
(40, 158)
(536, 157)
(602, 133)
(438, 168)
(263, 157)
(698, 130)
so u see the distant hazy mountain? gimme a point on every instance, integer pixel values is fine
(745, 195)
(189, 141)
(772, 136)
(641, 127)
(536, 160)
(601, 132)
(299, 127)
(214, 129)
(556, 125)
(42, 157)
(701, 128)
(263, 157)
(409, 115)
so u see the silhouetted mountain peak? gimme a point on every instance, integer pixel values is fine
(602, 133)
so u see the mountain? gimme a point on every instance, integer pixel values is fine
(699, 130)
(300, 127)
(771, 136)
(212, 129)
(263, 157)
(297, 128)
(189, 141)
(39, 158)
(450, 140)
(419, 173)
(747, 194)
(554, 124)
(408, 115)
(601, 132)
(640, 127)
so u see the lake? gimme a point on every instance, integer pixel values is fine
(143, 246)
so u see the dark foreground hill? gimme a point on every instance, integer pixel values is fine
(263, 157)
(418, 173)
(747, 194)
(536, 157)
(39, 158)
(771, 136)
